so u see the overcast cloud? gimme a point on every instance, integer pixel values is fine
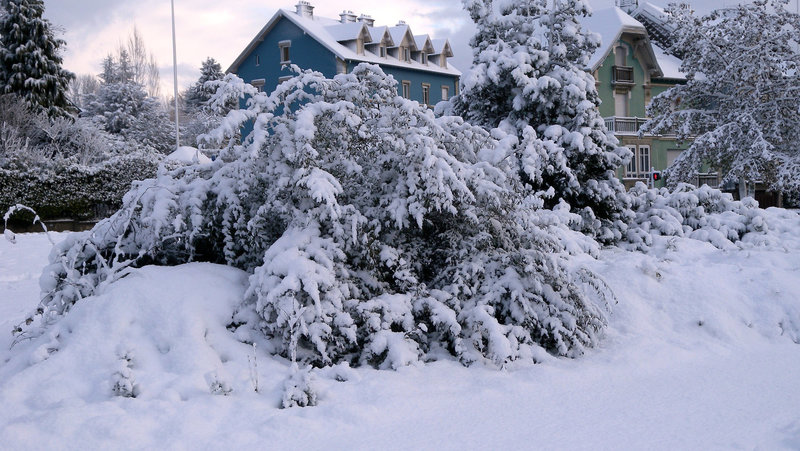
(93, 28)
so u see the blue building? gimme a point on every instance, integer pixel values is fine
(330, 46)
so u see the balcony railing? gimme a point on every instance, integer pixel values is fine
(622, 75)
(624, 125)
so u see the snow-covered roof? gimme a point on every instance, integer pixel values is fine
(331, 33)
(610, 23)
(379, 34)
(441, 46)
(401, 32)
(349, 31)
(670, 65)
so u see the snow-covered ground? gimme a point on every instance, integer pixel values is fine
(701, 353)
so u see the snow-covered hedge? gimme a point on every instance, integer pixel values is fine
(375, 232)
(74, 190)
(704, 213)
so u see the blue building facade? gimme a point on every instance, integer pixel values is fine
(418, 63)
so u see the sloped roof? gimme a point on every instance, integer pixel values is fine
(400, 32)
(441, 46)
(329, 33)
(378, 34)
(610, 23)
(670, 65)
(349, 31)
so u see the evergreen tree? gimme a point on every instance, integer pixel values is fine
(30, 64)
(122, 106)
(742, 97)
(530, 79)
(203, 117)
(199, 93)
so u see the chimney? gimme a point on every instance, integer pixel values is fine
(304, 9)
(367, 20)
(347, 17)
(401, 23)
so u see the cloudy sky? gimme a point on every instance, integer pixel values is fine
(221, 29)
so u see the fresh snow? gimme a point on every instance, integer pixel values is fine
(188, 155)
(701, 353)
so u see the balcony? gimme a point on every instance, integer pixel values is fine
(622, 75)
(624, 125)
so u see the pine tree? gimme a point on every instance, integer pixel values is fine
(742, 97)
(530, 79)
(199, 94)
(122, 106)
(30, 64)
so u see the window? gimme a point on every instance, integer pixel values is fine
(456, 90)
(284, 47)
(445, 92)
(406, 89)
(258, 83)
(621, 104)
(258, 60)
(424, 58)
(639, 166)
(406, 54)
(360, 47)
(383, 52)
(644, 160)
(426, 94)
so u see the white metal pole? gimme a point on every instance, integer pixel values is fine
(175, 75)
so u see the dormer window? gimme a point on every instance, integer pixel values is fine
(360, 47)
(424, 58)
(406, 54)
(383, 52)
(284, 47)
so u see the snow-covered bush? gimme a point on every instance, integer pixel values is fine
(64, 167)
(375, 232)
(704, 213)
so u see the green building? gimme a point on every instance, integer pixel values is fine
(631, 68)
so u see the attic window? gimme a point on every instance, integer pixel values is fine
(406, 54)
(360, 47)
(424, 58)
(258, 60)
(383, 52)
(284, 47)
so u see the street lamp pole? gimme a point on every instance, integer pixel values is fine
(175, 76)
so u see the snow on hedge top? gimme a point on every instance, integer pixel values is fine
(188, 155)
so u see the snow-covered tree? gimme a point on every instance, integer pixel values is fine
(201, 116)
(375, 232)
(143, 63)
(82, 88)
(530, 79)
(30, 63)
(200, 93)
(741, 103)
(122, 106)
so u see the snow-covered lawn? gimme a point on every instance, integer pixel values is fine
(701, 353)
